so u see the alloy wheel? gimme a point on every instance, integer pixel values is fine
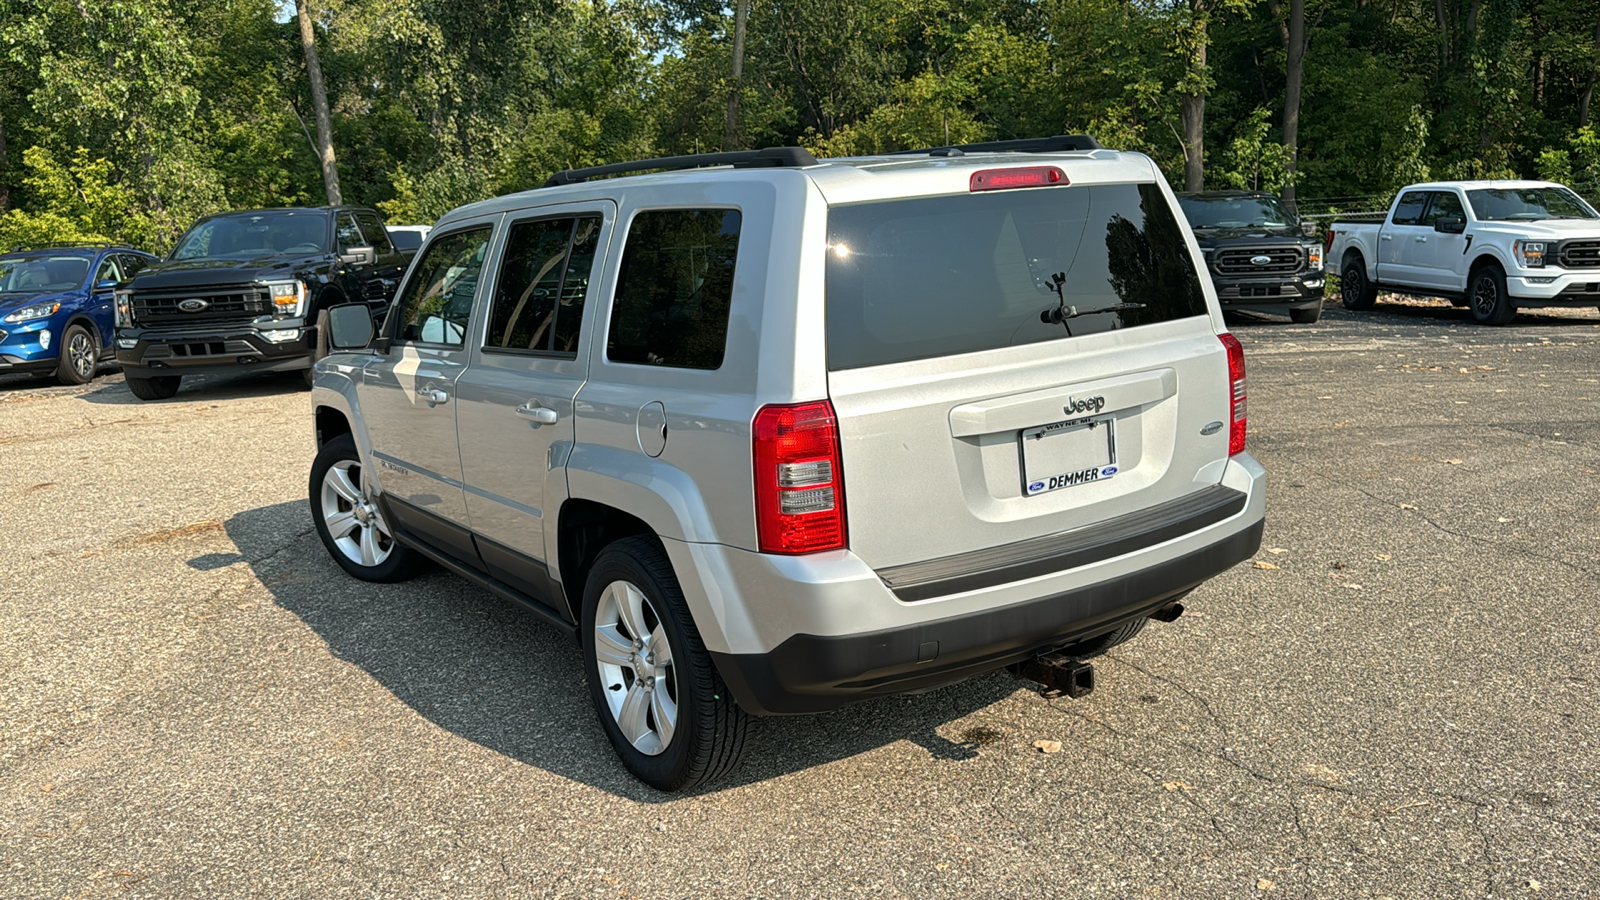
(634, 658)
(80, 355)
(354, 522)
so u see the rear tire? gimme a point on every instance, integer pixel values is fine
(1099, 645)
(1355, 291)
(79, 356)
(1306, 316)
(161, 387)
(655, 690)
(1486, 294)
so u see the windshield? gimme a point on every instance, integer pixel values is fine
(40, 274)
(255, 234)
(1527, 204)
(1233, 212)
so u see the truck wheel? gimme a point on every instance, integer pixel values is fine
(160, 387)
(320, 349)
(1487, 293)
(1355, 291)
(655, 690)
(348, 520)
(1306, 316)
(79, 356)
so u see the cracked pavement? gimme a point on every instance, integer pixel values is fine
(1399, 702)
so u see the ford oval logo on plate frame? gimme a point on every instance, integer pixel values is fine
(1260, 260)
(193, 304)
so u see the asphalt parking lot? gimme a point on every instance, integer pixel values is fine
(1398, 698)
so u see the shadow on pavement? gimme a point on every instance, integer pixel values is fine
(491, 673)
(204, 388)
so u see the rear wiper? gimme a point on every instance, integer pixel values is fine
(1062, 313)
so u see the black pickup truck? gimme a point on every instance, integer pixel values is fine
(1259, 258)
(248, 291)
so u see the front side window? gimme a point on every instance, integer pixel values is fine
(1409, 210)
(347, 234)
(936, 276)
(247, 235)
(1528, 204)
(108, 272)
(1445, 205)
(538, 299)
(437, 302)
(373, 231)
(675, 289)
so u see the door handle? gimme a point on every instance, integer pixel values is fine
(1421, 240)
(540, 415)
(432, 394)
(1387, 237)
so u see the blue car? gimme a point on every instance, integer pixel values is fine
(56, 307)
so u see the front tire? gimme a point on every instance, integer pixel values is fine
(161, 387)
(79, 356)
(1306, 316)
(1355, 291)
(1490, 304)
(348, 519)
(654, 688)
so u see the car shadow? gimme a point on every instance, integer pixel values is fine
(203, 387)
(490, 672)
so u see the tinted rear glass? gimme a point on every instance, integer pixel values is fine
(914, 279)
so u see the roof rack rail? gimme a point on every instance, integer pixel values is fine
(739, 159)
(1060, 143)
(62, 245)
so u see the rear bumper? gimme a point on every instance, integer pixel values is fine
(814, 673)
(812, 633)
(215, 350)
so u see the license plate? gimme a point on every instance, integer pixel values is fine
(1068, 454)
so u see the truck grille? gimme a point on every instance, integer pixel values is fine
(1579, 255)
(1281, 260)
(222, 303)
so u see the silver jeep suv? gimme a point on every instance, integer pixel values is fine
(767, 434)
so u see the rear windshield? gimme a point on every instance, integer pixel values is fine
(914, 279)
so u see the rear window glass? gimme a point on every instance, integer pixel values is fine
(914, 279)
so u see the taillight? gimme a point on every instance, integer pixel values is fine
(1236, 384)
(799, 479)
(1024, 177)
(1327, 240)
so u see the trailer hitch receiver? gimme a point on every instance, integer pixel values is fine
(1057, 675)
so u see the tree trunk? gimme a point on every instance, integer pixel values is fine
(1588, 89)
(5, 192)
(1192, 102)
(319, 101)
(1294, 71)
(741, 13)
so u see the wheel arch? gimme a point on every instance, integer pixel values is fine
(82, 318)
(584, 528)
(1485, 258)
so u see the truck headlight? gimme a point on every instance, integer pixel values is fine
(1314, 257)
(1530, 254)
(289, 297)
(124, 304)
(34, 311)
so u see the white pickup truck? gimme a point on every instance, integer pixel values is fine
(1491, 246)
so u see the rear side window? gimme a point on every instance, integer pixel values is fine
(935, 276)
(674, 289)
(437, 302)
(538, 300)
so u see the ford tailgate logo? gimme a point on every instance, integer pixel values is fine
(193, 304)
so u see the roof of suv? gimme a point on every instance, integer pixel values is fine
(841, 179)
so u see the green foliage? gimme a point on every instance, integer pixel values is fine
(127, 119)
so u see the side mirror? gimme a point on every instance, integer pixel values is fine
(359, 256)
(106, 285)
(1450, 224)
(1308, 228)
(350, 326)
